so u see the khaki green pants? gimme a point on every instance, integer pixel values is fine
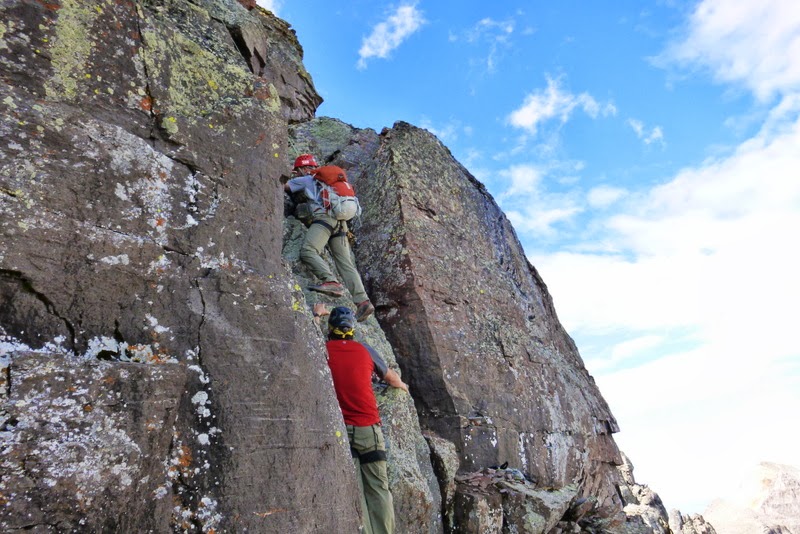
(317, 237)
(376, 499)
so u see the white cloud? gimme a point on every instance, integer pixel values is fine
(271, 5)
(693, 421)
(754, 43)
(554, 103)
(689, 245)
(529, 207)
(708, 261)
(604, 196)
(540, 220)
(654, 135)
(389, 34)
(633, 347)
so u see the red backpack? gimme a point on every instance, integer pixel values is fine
(336, 194)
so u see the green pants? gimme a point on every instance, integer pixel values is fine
(376, 499)
(317, 237)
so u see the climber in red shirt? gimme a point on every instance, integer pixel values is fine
(352, 365)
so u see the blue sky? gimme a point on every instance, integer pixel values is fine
(648, 154)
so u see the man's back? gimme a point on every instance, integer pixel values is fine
(352, 367)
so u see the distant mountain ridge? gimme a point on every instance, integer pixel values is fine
(767, 501)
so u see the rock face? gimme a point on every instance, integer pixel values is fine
(768, 500)
(141, 219)
(160, 369)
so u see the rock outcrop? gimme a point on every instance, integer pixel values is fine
(768, 500)
(643, 508)
(160, 367)
(495, 378)
(689, 524)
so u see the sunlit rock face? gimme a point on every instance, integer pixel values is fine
(767, 500)
(160, 369)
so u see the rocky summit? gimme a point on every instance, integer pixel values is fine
(161, 370)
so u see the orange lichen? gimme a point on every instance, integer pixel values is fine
(49, 5)
(185, 458)
(146, 103)
(270, 512)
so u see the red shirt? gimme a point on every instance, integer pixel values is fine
(352, 367)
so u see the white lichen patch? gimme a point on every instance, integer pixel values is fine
(157, 328)
(78, 446)
(9, 345)
(149, 197)
(203, 377)
(220, 261)
(103, 343)
(122, 259)
(201, 400)
(159, 265)
(160, 492)
(523, 456)
(121, 193)
(141, 353)
(208, 515)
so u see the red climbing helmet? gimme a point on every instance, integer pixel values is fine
(305, 160)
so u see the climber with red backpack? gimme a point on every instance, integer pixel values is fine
(331, 202)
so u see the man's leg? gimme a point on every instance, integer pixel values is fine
(364, 510)
(375, 479)
(317, 237)
(340, 250)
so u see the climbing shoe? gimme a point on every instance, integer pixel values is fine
(332, 289)
(364, 310)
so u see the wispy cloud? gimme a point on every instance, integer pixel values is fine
(753, 43)
(494, 35)
(448, 132)
(604, 196)
(654, 135)
(553, 102)
(530, 206)
(271, 5)
(390, 33)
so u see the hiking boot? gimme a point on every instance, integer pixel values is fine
(364, 310)
(332, 289)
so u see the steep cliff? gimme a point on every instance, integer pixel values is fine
(161, 370)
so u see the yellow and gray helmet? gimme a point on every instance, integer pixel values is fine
(342, 321)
